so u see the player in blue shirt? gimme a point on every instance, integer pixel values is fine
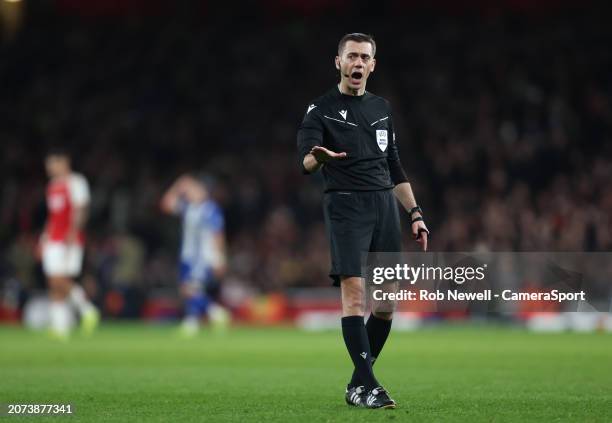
(202, 254)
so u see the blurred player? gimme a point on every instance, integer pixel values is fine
(202, 255)
(62, 243)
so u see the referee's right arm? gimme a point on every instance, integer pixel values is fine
(310, 140)
(310, 134)
(310, 163)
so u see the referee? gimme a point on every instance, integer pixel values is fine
(348, 134)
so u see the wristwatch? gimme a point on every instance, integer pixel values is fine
(414, 210)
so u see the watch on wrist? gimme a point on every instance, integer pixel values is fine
(416, 209)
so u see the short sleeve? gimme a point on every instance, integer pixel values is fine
(79, 190)
(310, 133)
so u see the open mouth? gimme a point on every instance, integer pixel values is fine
(357, 75)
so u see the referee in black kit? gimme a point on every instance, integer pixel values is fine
(348, 134)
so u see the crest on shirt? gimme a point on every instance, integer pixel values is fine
(343, 114)
(381, 139)
(312, 106)
(56, 202)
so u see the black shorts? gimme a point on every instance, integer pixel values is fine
(359, 222)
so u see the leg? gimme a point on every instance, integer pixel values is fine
(354, 331)
(79, 300)
(196, 305)
(60, 314)
(377, 328)
(353, 296)
(59, 287)
(54, 256)
(219, 318)
(384, 309)
(90, 316)
(350, 220)
(386, 238)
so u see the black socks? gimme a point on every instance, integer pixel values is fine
(356, 340)
(378, 331)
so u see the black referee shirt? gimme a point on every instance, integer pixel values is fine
(361, 126)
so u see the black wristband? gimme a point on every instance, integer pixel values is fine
(416, 219)
(415, 210)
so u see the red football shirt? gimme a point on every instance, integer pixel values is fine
(63, 196)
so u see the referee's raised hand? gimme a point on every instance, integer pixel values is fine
(324, 155)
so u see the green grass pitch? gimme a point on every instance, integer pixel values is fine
(145, 373)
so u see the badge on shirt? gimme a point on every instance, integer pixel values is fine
(381, 139)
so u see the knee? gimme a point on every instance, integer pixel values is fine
(59, 288)
(353, 305)
(383, 315)
(353, 296)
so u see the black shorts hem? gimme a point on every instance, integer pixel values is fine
(336, 277)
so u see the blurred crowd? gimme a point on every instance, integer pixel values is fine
(504, 128)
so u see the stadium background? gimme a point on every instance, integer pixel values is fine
(503, 115)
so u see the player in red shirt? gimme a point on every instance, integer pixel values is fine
(62, 245)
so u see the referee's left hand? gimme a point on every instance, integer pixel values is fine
(420, 233)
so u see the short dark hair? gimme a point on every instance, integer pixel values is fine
(359, 38)
(58, 150)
